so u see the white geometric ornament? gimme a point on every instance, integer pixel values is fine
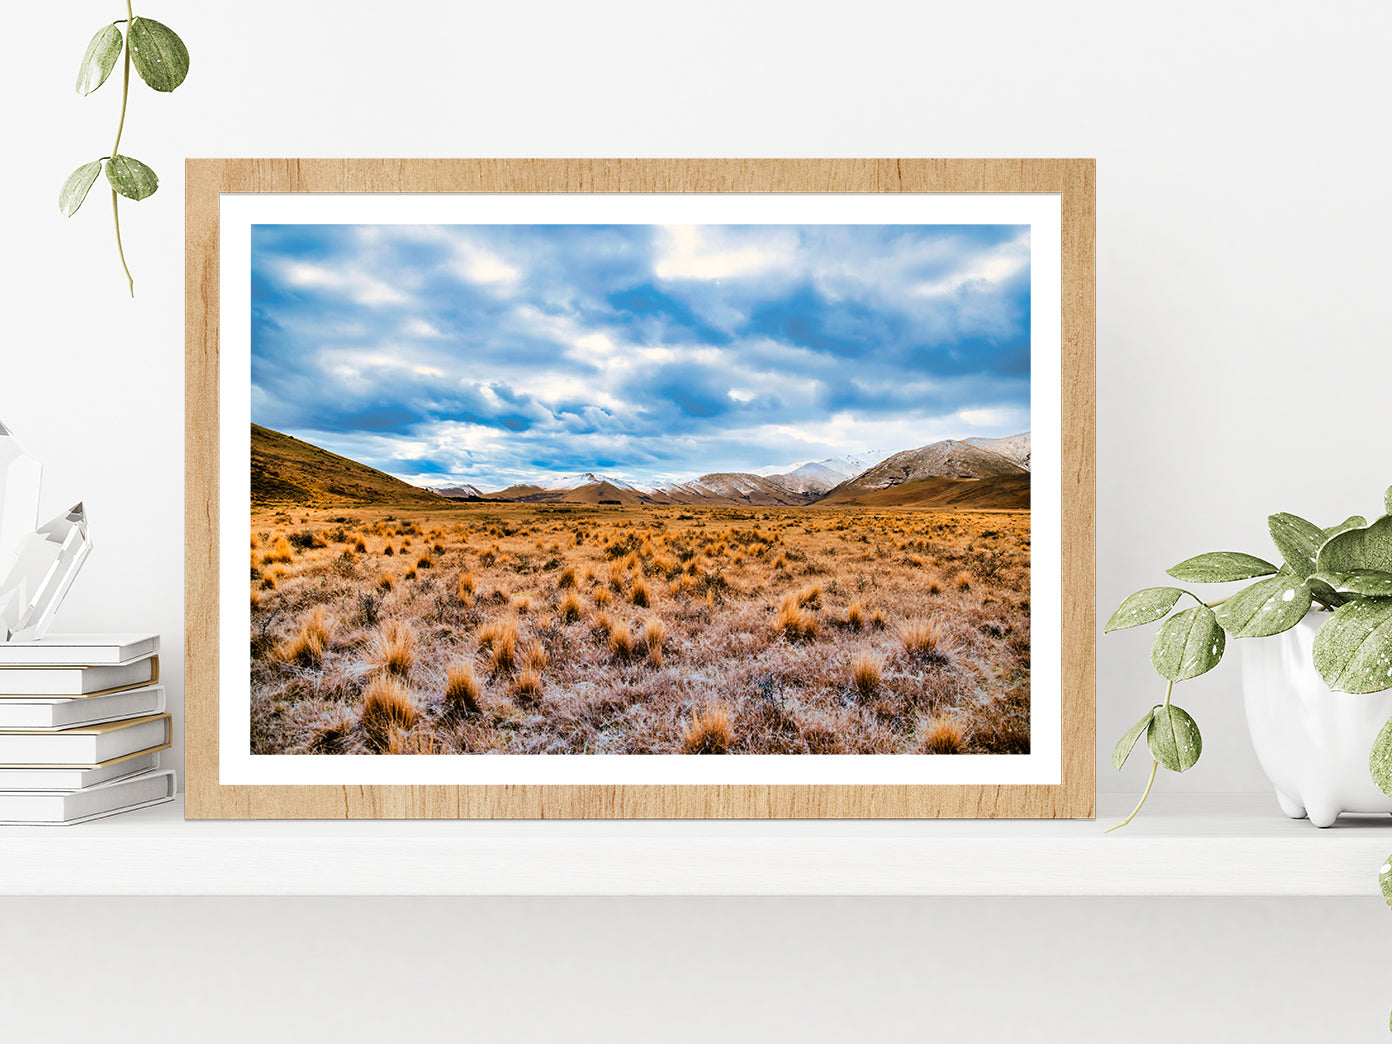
(37, 565)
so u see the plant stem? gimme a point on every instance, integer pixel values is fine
(115, 149)
(1154, 768)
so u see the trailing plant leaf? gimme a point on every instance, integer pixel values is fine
(1298, 541)
(75, 189)
(1188, 644)
(1352, 522)
(99, 60)
(1380, 763)
(1265, 608)
(1353, 650)
(1387, 500)
(1367, 583)
(1219, 567)
(1122, 750)
(1385, 880)
(1143, 607)
(160, 57)
(1353, 549)
(130, 177)
(1173, 738)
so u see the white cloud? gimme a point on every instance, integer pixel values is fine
(688, 252)
(361, 287)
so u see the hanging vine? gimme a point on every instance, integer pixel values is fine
(162, 61)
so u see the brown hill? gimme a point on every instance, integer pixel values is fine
(949, 459)
(998, 492)
(285, 469)
(591, 493)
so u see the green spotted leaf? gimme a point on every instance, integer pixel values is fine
(1387, 500)
(158, 54)
(1173, 738)
(1366, 583)
(1298, 541)
(1188, 644)
(1380, 765)
(1143, 607)
(100, 59)
(1124, 746)
(75, 189)
(130, 177)
(1218, 567)
(1363, 548)
(1353, 650)
(1321, 591)
(1267, 607)
(1385, 879)
(1352, 522)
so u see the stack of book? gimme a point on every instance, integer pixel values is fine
(82, 724)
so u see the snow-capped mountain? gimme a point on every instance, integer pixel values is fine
(822, 475)
(1012, 447)
(465, 490)
(589, 478)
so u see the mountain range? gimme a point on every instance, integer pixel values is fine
(951, 474)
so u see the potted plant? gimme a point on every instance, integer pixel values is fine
(1318, 692)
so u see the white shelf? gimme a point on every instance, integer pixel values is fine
(1196, 845)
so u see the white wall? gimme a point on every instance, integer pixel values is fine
(1242, 216)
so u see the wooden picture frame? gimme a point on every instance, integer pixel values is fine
(210, 181)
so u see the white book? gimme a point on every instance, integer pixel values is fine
(42, 778)
(47, 714)
(64, 808)
(77, 681)
(79, 650)
(87, 746)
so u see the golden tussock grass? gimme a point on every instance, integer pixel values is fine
(855, 616)
(424, 562)
(571, 608)
(527, 685)
(567, 578)
(466, 586)
(639, 593)
(410, 574)
(654, 634)
(462, 689)
(307, 648)
(394, 650)
(877, 620)
(710, 731)
(385, 583)
(923, 639)
(280, 552)
(943, 736)
(536, 657)
(387, 704)
(500, 639)
(810, 597)
(963, 581)
(794, 624)
(621, 645)
(865, 675)
(602, 598)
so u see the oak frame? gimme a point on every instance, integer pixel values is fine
(1072, 179)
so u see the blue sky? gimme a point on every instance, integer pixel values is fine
(496, 354)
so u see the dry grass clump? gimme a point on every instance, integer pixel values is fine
(527, 685)
(567, 578)
(934, 588)
(710, 732)
(500, 639)
(424, 562)
(639, 593)
(255, 599)
(877, 620)
(308, 647)
(810, 597)
(536, 657)
(963, 581)
(394, 650)
(387, 704)
(924, 640)
(602, 598)
(654, 634)
(943, 736)
(571, 608)
(620, 641)
(462, 689)
(855, 616)
(794, 624)
(865, 675)
(467, 586)
(360, 546)
(280, 552)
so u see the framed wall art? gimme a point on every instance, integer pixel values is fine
(640, 488)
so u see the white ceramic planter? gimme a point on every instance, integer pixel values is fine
(1312, 742)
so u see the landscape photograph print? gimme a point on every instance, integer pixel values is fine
(525, 489)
